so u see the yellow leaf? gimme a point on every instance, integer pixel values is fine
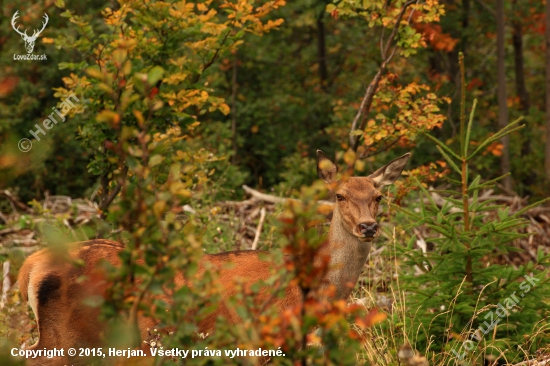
(139, 117)
(224, 108)
(155, 160)
(120, 56)
(349, 157)
(359, 165)
(110, 117)
(178, 188)
(158, 208)
(325, 209)
(325, 164)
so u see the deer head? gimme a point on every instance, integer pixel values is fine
(29, 40)
(357, 198)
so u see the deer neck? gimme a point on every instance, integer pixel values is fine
(347, 257)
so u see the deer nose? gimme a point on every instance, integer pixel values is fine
(368, 229)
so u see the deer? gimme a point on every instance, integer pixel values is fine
(51, 286)
(29, 40)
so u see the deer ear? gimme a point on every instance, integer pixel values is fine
(326, 169)
(389, 172)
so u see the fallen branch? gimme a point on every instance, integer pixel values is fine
(15, 202)
(3, 218)
(528, 250)
(239, 204)
(57, 204)
(264, 197)
(8, 231)
(6, 283)
(274, 199)
(259, 229)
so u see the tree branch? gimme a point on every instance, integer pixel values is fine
(365, 155)
(373, 86)
(106, 201)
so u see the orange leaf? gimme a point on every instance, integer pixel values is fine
(372, 318)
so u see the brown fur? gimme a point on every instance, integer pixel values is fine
(63, 319)
(53, 286)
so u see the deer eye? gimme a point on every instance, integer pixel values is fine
(339, 197)
(379, 198)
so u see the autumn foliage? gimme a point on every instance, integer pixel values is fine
(184, 102)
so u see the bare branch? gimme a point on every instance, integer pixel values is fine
(365, 155)
(106, 201)
(274, 199)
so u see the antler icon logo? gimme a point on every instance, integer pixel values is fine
(29, 40)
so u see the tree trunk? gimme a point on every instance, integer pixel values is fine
(465, 24)
(502, 103)
(234, 109)
(521, 89)
(547, 148)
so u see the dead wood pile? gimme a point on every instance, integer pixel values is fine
(17, 225)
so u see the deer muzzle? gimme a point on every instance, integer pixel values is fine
(368, 229)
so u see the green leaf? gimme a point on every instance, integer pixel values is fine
(505, 131)
(438, 143)
(155, 160)
(155, 75)
(525, 209)
(449, 160)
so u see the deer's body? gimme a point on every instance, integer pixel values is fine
(56, 296)
(53, 289)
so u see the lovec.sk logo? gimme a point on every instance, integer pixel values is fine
(29, 40)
